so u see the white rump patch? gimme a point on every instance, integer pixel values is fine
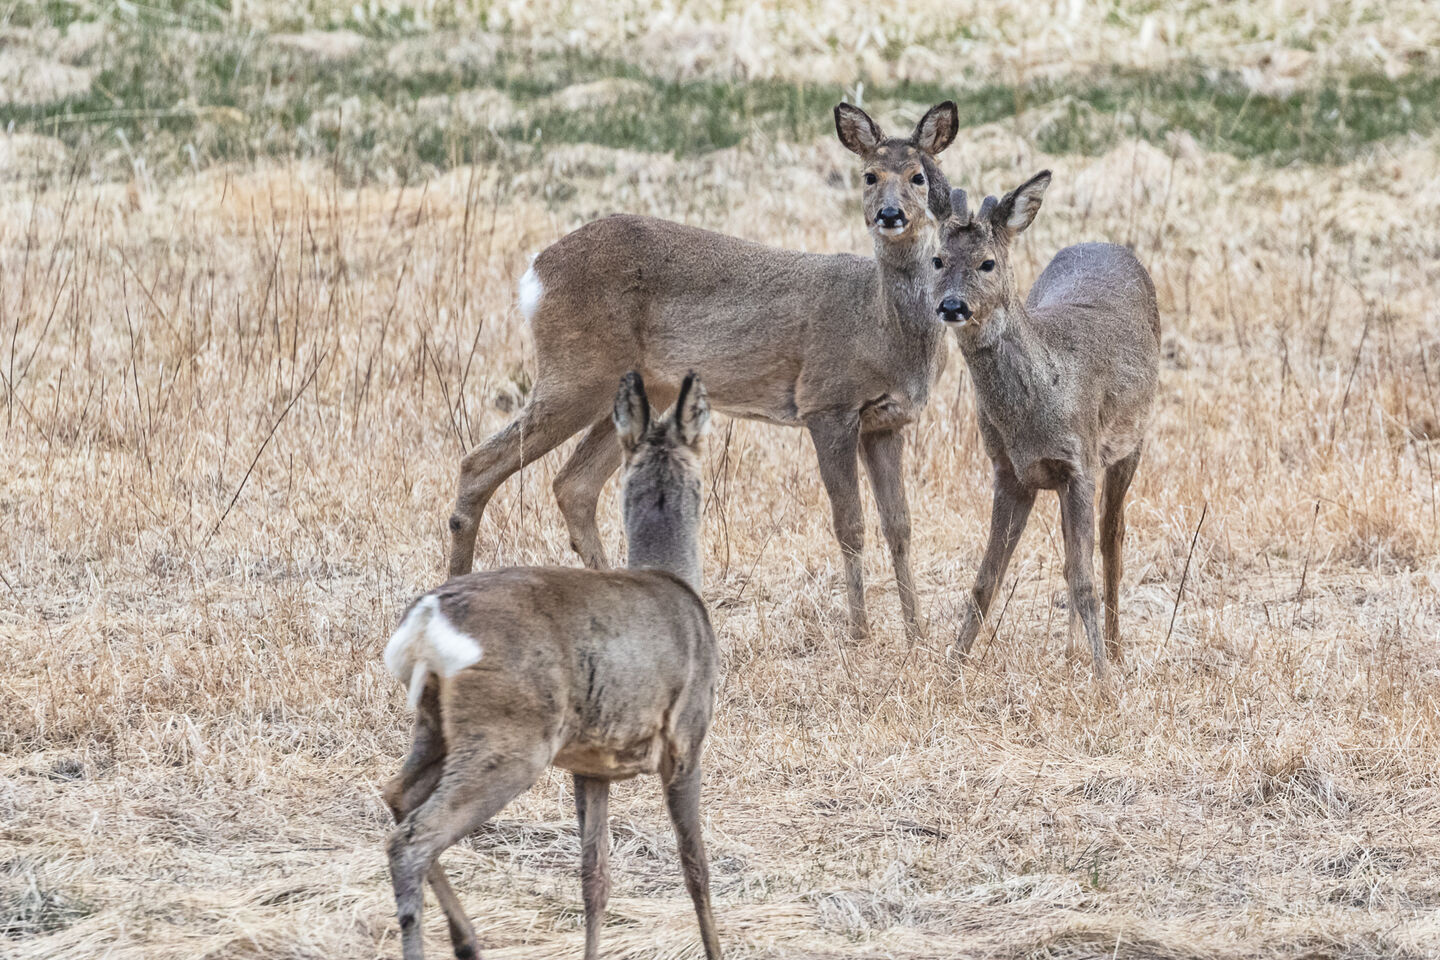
(531, 290)
(425, 641)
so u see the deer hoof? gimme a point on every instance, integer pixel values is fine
(957, 655)
(1107, 686)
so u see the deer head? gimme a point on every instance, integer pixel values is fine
(662, 490)
(974, 281)
(903, 183)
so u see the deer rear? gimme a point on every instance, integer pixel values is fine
(607, 674)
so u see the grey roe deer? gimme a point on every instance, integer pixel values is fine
(1064, 381)
(607, 674)
(845, 346)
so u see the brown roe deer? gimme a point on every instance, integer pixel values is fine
(607, 674)
(1064, 381)
(847, 347)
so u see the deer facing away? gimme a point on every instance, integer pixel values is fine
(1064, 381)
(845, 346)
(607, 674)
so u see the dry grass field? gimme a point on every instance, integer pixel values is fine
(257, 273)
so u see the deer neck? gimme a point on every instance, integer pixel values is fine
(1009, 363)
(662, 529)
(904, 293)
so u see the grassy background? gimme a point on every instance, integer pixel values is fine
(257, 270)
(207, 92)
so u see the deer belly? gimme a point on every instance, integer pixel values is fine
(770, 403)
(1046, 473)
(780, 418)
(612, 761)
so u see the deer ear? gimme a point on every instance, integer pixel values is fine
(936, 130)
(1016, 210)
(692, 410)
(856, 130)
(632, 411)
(937, 196)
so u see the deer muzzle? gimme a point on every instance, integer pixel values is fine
(954, 310)
(890, 220)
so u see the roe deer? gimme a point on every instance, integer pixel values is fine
(607, 674)
(1064, 381)
(845, 346)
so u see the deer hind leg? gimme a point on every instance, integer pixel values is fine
(417, 780)
(837, 439)
(577, 490)
(469, 793)
(1112, 538)
(579, 483)
(884, 454)
(592, 804)
(547, 421)
(426, 760)
(682, 797)
(1009, 512)
(1077, 520)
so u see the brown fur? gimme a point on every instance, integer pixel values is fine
(607, 674)
(1064, 382)
(845, 346)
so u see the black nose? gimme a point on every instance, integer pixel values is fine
(952, 309)
(890, 217)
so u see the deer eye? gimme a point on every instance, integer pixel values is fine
(938, 262)
(918, 179)
(870, 179)
(988, 265)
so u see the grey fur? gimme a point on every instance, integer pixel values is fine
(1064, 383)
(661, 489)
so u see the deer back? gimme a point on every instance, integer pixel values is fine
(1096, 303)
(775, 334)
(615, 668)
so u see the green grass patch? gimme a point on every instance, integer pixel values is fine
(177, 98)
(697, 117)
(1331, 122)
(196, 14)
